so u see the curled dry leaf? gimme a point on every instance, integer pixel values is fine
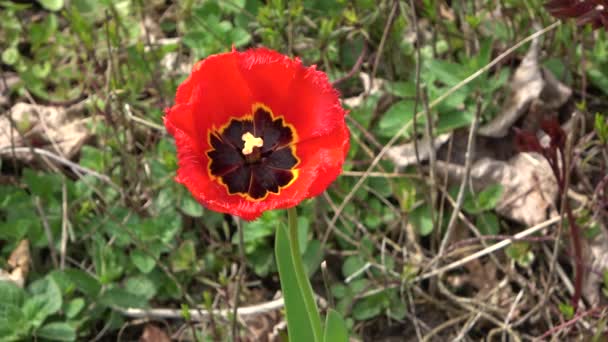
(57, 129)
(529, 188)
(532, 87)
(404, 155)
(19, 262)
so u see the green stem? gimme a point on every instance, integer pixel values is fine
(301, 276)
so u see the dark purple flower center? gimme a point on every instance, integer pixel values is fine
(254, 155)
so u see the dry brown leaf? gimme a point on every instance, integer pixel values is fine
(152, 333)
(19, 261)
(529, 188)
(404, 155)
(531, 87)
(596, 258)
(526, 85)
(57, 129)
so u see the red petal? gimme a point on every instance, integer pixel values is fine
(269, 75)
(180, 119)
(314, 106)
(302, 95)
(219, 92)
(324, 157)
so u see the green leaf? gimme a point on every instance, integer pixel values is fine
(401, 89)
(567, 310)
(92, 158)
(184, 257)
(352, 264)
(10, 56)
(141, 286)
(396, 117)
(451, 120)
(10, 293)
(485, 200)
(85, 282)
(13, 324)
(447, 73)
(239, 37)
(142, 261)
(51, 5)
(57, 331)
(488, 223)
(42, 184)
(45, 300)
(191, 207)
(422, 219)
(335, 328)
(117, 297)
(74, 307)
(370, 306)
(299, 326)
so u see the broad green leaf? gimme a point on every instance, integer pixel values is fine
(74, 307)
(117, 297)
(299, 326)
(184, 257)
(142, 261)
(51, 5)
(45, 300)
(351, 265)
(84, 282)
(13, 324)
(451, 120)
(239, 37)
(402, 89)
(141, 286)
(10, 56)
(422, 220)
(488, 223)
(57, 331)
(191, 207)
(10, 293)
(396, 117)
(447, 73)
(335, 328)
(485, 199)
(370, 306)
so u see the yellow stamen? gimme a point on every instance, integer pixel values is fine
(251, 141)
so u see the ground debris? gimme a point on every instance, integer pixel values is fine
(19, 263)
(57, 129)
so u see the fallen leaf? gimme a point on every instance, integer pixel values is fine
(57, 129)
(153, 333)
(534, 91)
(529, 188)
(405, 155)
(525, 86)
(19, 263)
(596, 258)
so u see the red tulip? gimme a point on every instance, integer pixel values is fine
(256, 131)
